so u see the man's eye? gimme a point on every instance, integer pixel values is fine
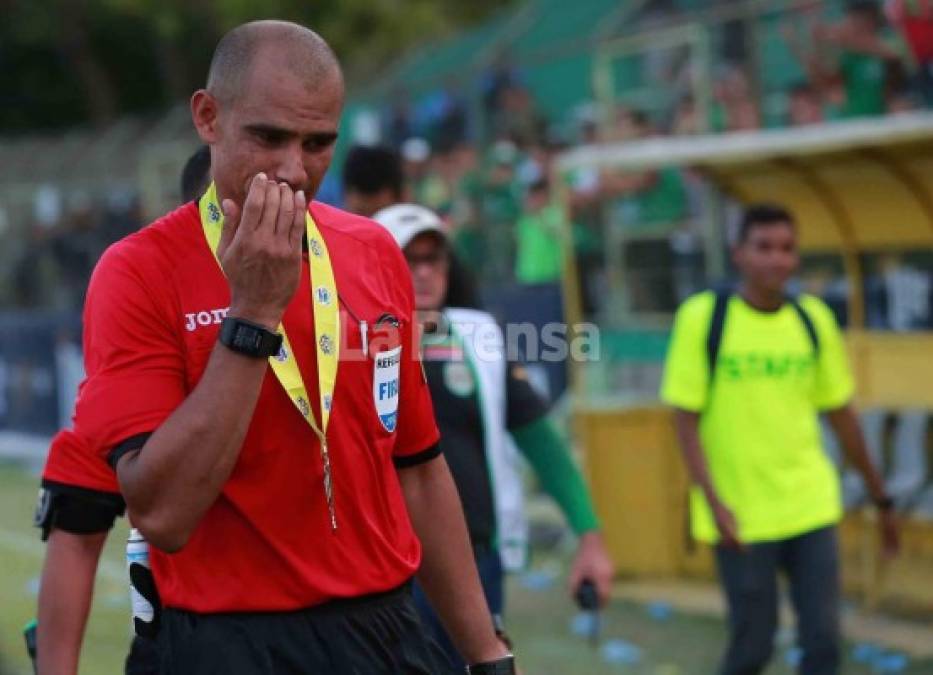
(315, 144)
(268, 137)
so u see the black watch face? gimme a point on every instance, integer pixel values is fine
(247, 339)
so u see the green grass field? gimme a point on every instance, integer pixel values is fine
(539, 621)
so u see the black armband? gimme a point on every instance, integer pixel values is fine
(408, 461)
(76, 509)
(128, 445)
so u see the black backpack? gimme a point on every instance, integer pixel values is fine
(718, 322)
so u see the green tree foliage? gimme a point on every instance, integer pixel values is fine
(67, 62)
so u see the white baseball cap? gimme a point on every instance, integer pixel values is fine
(416, 150)
(407, 221)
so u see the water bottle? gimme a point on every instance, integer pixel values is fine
(143, 594)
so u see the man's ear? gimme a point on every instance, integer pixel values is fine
(204, 114)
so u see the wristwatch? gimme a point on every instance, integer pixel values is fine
(503, 666)
(251, 339)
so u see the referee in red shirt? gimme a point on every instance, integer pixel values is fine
(253, 379)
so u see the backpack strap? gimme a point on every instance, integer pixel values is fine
(718, 321)
(807, 322)
(716, 325)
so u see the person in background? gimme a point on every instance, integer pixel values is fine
(372, 179)
(500, 195)
(914, 18)
(540, 237)
(644, 199)
(500, 76)
(79, 502)
(748, 374)
(416, 165)
(734, 106)
(804, 106)
(687, 120)
(861, 61)
(398, 122)
(487, 412)
(518, 118)
(196, 174)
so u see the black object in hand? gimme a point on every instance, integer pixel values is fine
(586, 596)
(588, 600)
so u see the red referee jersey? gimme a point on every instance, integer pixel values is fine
(151, 319)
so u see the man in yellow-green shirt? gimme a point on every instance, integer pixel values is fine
(748, 373)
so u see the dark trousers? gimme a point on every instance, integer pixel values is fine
(373, 635)
(489, 566)
(750, 583)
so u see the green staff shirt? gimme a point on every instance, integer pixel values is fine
(864, 76)
(759, 421)
(540, 257)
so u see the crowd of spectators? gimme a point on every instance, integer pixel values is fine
(53, 264)
(873, 60)
(486, 166)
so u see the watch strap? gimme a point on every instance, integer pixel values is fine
(503, 666)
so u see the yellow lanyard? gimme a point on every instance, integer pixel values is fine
(326, 328)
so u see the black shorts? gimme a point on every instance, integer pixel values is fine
(143, 658)
(372, 635)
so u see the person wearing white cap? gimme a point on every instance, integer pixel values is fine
(488, 412)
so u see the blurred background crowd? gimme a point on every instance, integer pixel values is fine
(477, 117)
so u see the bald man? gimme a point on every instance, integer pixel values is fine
(253, 381)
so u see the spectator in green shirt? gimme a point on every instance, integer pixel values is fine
(540, 234)
(862, 62)
(499, 208)
(645, 199)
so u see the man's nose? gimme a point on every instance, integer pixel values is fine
(291, 168)
(421, 271)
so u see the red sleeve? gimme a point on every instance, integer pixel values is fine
(417, 431)
(71, 462)
(132, 354)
